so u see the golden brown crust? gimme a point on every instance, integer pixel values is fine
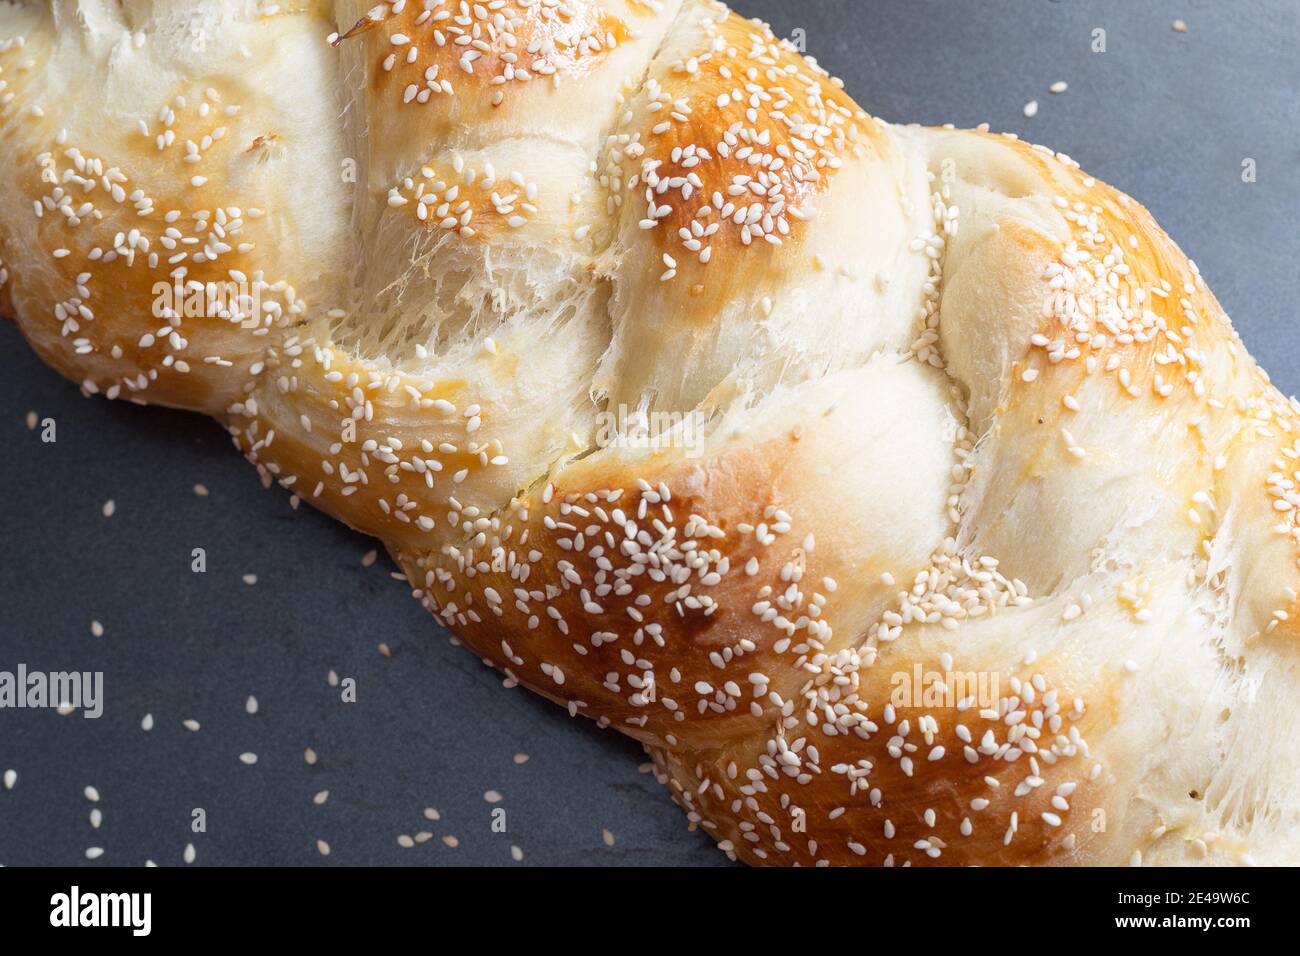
(636, 602)
(155, 275)
(426, 48)
(908, 794)
(742, 141)
(1159, 340)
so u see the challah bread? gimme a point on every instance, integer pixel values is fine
(905, 491)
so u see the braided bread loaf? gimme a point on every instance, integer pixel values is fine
(905, 491)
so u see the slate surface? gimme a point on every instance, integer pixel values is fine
(1168, 117)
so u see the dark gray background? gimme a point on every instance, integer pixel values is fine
(1167, 117)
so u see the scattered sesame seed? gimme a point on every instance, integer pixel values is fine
(607, 837)
(109, 508)
(1031, 108)
(96, 629)
(250, 705)
(190, 724)
(189, 854)
(146, 722)
(322, 848)
(1060, 86)
(320, 797)
(11, 778)
(248, 758)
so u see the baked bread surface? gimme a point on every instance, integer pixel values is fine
(905, 491)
